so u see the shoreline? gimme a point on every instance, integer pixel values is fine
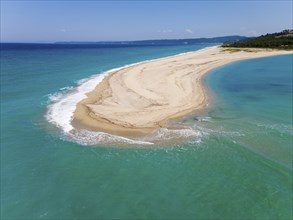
(139, 98)
(63, 117)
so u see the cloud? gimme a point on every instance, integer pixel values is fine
(165, 31)
(63, 30)
(249, 32)
(253, 33)
(189, 30)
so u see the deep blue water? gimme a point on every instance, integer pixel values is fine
(239, 167)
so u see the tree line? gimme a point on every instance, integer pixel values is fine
(280, 40)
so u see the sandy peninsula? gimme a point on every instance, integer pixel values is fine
(143, 97)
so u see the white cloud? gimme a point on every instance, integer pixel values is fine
(249, 32)
(243, 28)
(63, 30)
(253, 33)
(165, 31)
(189, 30)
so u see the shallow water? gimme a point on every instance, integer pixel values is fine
(237, 165)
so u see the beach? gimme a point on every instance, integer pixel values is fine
(141, 98)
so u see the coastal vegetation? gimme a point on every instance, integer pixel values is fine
(280, 40)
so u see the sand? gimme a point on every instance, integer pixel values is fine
(143, 97)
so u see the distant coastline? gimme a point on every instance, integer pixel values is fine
(205, 40)
(141, 98)
(154, 42)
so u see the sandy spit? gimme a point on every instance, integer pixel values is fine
(141, 98)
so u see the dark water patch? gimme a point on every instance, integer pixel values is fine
(223, 114)
(253, 98)
(276, 85)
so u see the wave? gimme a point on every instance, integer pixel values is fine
(60, 111)
(91, 138)
(85, 137)
(281, 128)
(63, 104)
(171, 134)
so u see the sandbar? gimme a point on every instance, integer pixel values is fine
(141, 98)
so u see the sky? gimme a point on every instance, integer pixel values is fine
(51, 21)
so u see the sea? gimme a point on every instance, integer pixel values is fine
(232, 161)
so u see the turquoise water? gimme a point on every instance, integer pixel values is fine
(238, 166)
(255, 98)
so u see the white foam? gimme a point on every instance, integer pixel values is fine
(60, 112)
(63, 103)
(282, 128)
(85, 137)
(204, 119)
(169, 134)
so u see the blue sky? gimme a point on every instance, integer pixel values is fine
(50, 21)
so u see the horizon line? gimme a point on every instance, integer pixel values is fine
(110, 41)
